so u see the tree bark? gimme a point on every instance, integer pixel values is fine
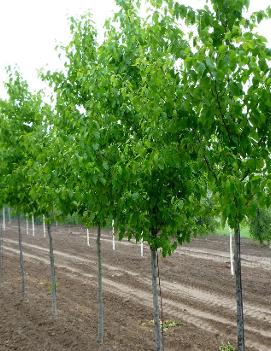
(239, 291)
(27, 226)
(44, 226)
(88, 243)
(53, 272)
(113, 235)
(33, 226)
(100, 335)
(156, 313)
(23, 286)
(141, 248)
(1, 251)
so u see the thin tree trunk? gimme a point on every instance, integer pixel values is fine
(113, 235)
(23, 288)
(100, 290)
(9, 217)
(1, 251)
(238, 291)
(53, 272)
(27, 225)
(156, 318)
(33, 226)
(44, 226)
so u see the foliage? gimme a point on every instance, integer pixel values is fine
(117, 125)
(21, 114)
(80, 131)
(227, 80)
(165, 324)
(157, 181)
(260, 225)
(208, 221)
(147, 124)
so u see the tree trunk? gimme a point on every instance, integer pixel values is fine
(238, 291)
(23, 288)
(156, 318)
(100, 290)
(113, 235)
(27, 226)
(1, 251)
(53, 272)
(33, 226)
(44, 226)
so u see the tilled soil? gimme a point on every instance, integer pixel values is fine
(197, 292)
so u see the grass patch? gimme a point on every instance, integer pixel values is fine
(244, 231)
(227, 347)
(167, 324)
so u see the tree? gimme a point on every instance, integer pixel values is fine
(260, 226)
(24, 133)
(226, 76)
(85, 173)
(157, 182)
(108, 111)
(20, 115)
(46, 186)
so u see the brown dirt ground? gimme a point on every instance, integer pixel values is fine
(197, 291)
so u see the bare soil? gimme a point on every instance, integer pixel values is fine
(197, 291)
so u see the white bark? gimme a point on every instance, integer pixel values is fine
(33, 226)
(27, 225)
(88, 242)
(44, 227)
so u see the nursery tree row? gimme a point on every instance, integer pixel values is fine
(162, 125)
